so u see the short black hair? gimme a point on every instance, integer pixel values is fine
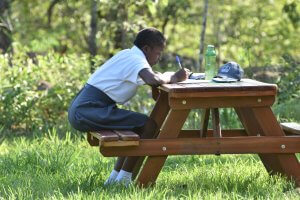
(149, 36)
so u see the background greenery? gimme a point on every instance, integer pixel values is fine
(50, 48)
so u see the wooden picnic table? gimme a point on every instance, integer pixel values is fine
(252, 101)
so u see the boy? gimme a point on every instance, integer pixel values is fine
(116, 81)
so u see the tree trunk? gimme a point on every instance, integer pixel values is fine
(92, 36)
(217, 24)
(50, 11)
(120, 34)
(5, 27)
(202, 37)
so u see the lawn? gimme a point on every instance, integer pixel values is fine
(54, 167)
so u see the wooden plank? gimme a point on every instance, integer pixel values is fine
(204, 122)
(197, 146)
(246, 87)
(194, 134)
(118, 143)
(158, 114)
(220, 102)
(105, 135)
(216, 122)
(92, 140)
(153, 165)
(155, 93)
(148, 177)
(253, 128)
(127, 135)
(291, 127)
(225, 133)
(222, 94)
(288, 163)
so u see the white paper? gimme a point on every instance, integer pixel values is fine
(195, 81)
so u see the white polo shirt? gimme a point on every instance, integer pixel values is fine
(118, 77)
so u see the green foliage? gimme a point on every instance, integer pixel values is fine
(288, 111)
(251, 35)
(37, 95)
(228, 119)
(293, 14)
(289, 82)
(38, 82)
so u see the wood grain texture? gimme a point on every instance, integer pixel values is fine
(170, 129)
(158, 114)
(246, 87)
(220, 102)
(155, 93)
(127, 135)
(252, 127)
(288, 163)
(216, 123)
(105, 135)
(119, 143)
(92, 140)
(197, 146)
(252, 101)
(204, 122)
(209, 133)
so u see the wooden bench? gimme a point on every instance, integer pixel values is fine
(113, 138)
(291, 128)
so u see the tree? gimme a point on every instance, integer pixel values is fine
(202, 37)
(5, 27)
(50, 11)
(93, 31)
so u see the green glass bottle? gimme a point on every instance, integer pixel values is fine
(210, 62)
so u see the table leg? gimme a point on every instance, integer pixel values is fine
(288, 163)
(154, 164)
(216, 122)
(158, 114)
(262, 121)
(204, 122)
(252, 128)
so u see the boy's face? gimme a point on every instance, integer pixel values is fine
(153, 54)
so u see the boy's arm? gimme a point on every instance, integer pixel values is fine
(156, 79)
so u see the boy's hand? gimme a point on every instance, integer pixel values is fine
(180, 75)
(156, 79)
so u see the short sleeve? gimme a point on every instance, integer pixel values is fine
(132, 72)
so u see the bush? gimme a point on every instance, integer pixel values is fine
(35, 93)
(289, 82)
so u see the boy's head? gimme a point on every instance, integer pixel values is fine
(152, 42)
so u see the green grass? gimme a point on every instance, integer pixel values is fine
(54, 167)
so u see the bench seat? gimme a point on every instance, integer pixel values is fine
(291, 128)
(111, 138)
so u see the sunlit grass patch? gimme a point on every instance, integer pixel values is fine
(56, 167)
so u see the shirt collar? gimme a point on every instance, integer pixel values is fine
(137, 51)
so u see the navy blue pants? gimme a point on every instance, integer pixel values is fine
(93, 110)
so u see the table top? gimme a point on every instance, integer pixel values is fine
(205, 88)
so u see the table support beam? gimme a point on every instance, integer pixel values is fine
(216, 122)
(158, 114)
(204, 122)
(261, 121)
(197, 146)
(154, 164)
(289, 164)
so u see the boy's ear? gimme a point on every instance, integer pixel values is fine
(146, 49)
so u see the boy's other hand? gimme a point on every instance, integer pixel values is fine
(180, 75)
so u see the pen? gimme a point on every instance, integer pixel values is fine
(178, 61)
